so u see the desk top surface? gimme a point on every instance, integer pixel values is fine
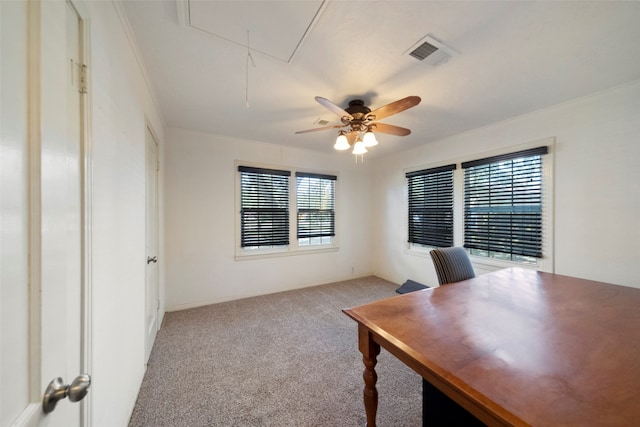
(525, 346)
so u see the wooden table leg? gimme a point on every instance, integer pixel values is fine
(370, 351)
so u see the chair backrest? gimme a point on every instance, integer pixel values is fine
(452, 265)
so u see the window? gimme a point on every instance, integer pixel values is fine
(431, 206)
(503, 206)
(315, 199)
(264, 207)
(279, 216)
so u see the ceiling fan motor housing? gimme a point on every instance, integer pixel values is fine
(357, 107)
(359, 112)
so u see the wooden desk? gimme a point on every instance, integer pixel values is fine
(515, 347)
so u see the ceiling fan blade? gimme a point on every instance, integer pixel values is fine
(333, 107)
(322, 128)
(395, 107)
(391, 129)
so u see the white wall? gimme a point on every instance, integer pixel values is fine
(120, 105)
(597, 191)
(597, 203)
(201, 215)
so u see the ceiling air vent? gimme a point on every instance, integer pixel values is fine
(321, 122)
(431, 51)
(422, 51)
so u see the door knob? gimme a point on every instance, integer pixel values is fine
(150, 260)
(56, 390)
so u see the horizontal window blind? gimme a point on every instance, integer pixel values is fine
(264, 206)
(503, 203)
(431, 206)
(316, 205)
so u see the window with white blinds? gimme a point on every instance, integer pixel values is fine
(264, 207)
(503, 205)
(431, 206)
(315, 200)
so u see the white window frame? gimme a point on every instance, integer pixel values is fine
(546, 263)
(294, 247)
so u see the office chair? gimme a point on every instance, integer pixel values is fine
(452, 265)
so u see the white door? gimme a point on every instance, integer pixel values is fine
(43, 216)
(152, 297)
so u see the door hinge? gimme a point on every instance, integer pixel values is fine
(157, 165)
(83, 79)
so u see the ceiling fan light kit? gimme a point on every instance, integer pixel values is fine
(369, 138)
(359, 148)
(342, 143)
(361, 122)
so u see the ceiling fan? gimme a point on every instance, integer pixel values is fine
(360, 122)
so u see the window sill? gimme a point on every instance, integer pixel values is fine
(285, 253)
(484, 263)
(497, 264)
(419, 251)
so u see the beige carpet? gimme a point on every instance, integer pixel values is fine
(287, 359)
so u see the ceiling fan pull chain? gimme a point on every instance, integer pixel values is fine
(253, 63)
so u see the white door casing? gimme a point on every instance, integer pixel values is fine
(44, 275)
(151, 291)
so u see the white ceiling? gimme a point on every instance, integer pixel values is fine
(514, 57)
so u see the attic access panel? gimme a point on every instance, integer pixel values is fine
(276, 28)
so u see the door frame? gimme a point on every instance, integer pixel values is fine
(154, 140)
